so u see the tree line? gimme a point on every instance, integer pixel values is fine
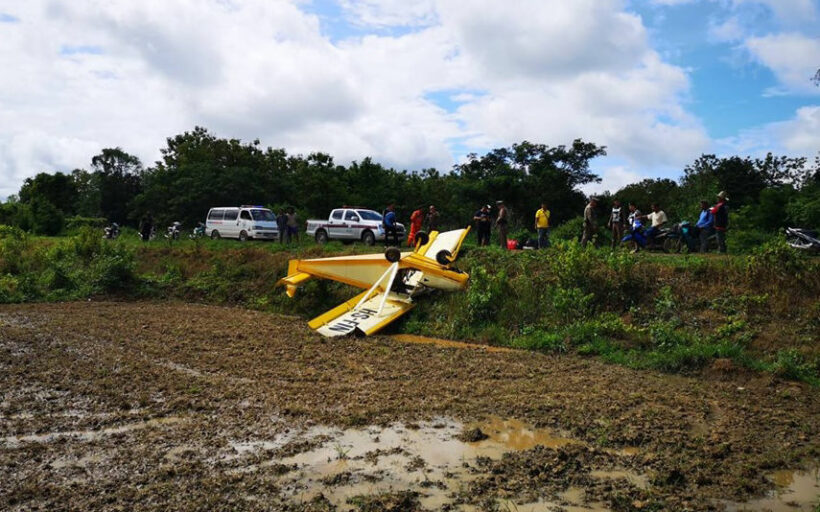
(198, 170)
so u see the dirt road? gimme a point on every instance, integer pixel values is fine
(123, 406)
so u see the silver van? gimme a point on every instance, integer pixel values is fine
(242, 223)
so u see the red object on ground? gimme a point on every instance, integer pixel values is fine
(512, 245)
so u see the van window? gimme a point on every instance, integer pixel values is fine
(336, 215)
(216, 214)
(231, 214)
(245, 215)
(350, 215)
(263, 215)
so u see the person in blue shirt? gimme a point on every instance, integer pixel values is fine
(390, 230)
(705, 224)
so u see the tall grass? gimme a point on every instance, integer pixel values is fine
(673, 313)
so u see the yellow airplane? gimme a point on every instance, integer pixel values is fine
(391, 281)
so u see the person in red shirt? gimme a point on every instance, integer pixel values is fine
(720, 214)
(416, 220)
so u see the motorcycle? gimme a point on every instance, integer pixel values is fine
(680, 236)
(111, 232)
(198, 231)
(174, 231)
(803, 239)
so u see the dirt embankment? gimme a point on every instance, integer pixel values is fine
(154, 406)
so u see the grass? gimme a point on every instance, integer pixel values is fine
(675, 313)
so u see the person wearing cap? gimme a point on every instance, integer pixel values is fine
(432, 219)
(720, 213)
(483, 223)
(590, 222)
(502, 223)
(542, 226)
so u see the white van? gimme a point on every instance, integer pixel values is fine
(242, 222)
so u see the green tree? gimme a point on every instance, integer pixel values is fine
(118, 177)
(59, 189)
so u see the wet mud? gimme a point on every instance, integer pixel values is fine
(140, 406)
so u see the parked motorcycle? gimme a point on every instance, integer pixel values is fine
(111, 232)
(198, 231)
(174, 230)
(803, 239)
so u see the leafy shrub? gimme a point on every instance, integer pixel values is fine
(75, 223)
(791, 364)
(485, 295)
(569, 230)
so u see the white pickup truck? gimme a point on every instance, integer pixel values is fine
(350, 224)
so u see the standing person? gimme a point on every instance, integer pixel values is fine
(705, 225)
(720, 213)
(146, 226)
(432, 219)
(282, 225)
(389, 223)
(616, 222)
(590, 222)
(502, 223)
(542, 226)
(483, 222)
(416, 219)
(293, 225)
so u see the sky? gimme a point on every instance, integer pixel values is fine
(412, 83)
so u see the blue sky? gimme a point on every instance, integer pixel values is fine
(412, 83)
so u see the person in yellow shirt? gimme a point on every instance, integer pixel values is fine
(542, 226)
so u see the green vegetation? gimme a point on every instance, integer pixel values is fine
(199, 170)
(671, 313)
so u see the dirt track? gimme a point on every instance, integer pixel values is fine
(180, 407)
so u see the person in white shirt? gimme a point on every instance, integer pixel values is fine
(658, 219)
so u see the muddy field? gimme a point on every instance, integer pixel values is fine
(135, 406)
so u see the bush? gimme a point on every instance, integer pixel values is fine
(569, 230)
(73, 224)
(46, 218)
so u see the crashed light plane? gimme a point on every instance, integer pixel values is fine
(391, 281)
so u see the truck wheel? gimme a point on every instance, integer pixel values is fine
(321, 236)
(243, 236)
(392, 254)
(214, 235)
(368, 238)
(444, 257)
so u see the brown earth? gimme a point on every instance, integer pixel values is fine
(140, 406)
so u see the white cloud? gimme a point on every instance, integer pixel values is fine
(787, 11)
(543, 71)
(798, 136)
(793, 58)
(613, 178)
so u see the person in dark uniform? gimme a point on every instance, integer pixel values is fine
(146, 226)
(483, 223)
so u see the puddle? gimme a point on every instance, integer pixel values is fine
(426, 457)
(796, 491)
(424, 340)
(88, 435)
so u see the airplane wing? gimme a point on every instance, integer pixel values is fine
(367, 318)
(368, 312)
